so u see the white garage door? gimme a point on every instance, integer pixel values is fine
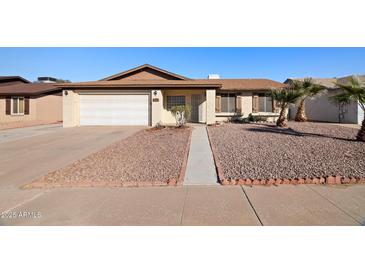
(114, 110)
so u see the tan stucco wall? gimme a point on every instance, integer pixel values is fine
(46, 108)
(71, 109)
(156, 107)
(167, 117)
(49, 107)
(322, 108)
(246, 103)
(210, 97)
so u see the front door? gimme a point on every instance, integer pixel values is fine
(197, 102)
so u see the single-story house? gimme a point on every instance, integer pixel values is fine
(21, 100)
(322, 108)
(145, 95)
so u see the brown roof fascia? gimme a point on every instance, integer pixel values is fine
(142, 67)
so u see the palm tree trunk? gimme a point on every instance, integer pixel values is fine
(282, 120)
(361, 134)
(300, 116)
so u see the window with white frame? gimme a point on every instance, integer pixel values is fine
(265, 102)
(17, 105)
(173, 101)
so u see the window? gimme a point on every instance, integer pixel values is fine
(228, 102)
(173, 101)
(265, 102)
(17, 105)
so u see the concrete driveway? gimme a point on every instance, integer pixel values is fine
(28, 153)
(8, 135)
(28, 156)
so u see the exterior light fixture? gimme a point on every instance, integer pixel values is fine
(66, 92)
(155, 92)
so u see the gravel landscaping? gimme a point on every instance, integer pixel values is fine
(150, 157)
(303, 150)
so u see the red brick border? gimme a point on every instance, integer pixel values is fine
(331, 180)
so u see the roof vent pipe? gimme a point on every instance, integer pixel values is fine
(213, 76)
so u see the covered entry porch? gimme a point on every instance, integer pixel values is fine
(201, 102)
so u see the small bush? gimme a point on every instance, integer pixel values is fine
(182, 114)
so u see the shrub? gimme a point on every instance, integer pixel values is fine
(182, 114)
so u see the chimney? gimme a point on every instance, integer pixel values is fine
(213, 76)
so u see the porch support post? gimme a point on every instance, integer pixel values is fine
(71, 108)
(156, 107)
(210, 98)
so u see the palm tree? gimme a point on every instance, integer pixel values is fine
(283, 98)
(308, 89)
(353, 91)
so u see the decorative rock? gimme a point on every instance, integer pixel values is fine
(160, 184)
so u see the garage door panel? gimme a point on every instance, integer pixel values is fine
(114, 109)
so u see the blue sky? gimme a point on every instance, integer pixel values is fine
(88, 64)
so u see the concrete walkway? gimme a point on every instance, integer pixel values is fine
(200, 168)
(193, 205)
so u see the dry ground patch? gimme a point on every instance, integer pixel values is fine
(150, 157)
(303, 150)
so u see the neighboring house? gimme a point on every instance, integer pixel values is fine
(21, 100)
(12, 80)
(145, 95)
(322, 109)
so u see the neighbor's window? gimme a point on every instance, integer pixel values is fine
(265, 102)
(175, 101)
(228, 102)
(17, 105)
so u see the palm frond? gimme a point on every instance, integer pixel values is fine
(354, 91)
(315, 89)
(307, 83)
(285, 97)
(341, 98)
(296, 85)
